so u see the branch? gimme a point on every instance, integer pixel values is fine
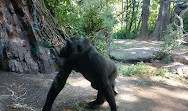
(175, 1)
(181, 21)
(183, 12)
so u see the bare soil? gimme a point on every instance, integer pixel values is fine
(24, 92)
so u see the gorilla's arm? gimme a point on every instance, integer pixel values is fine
(57, 86)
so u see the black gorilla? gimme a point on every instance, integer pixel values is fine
(79, 55)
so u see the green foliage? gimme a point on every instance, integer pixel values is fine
(63, 14)
(53, 4)
(133, 16)
(87, 18)
(130, 19)
(167, 58)
(161, 72)
(170, 43)
(102, 44)
(170, 40)
(93, 16)
(140, 69)
(121, 34)
(154, 10)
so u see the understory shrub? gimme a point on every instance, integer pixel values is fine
(139, 69)
(91, 20)
(171, 41)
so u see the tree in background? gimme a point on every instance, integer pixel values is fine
(29, 32)
(92, 19)
(145, 19)
(132, 19)
(163, 20)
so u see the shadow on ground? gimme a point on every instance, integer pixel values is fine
(136, 94)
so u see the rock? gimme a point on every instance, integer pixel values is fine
(133, 54)
(18, 36)
(2, 106)
(25, 67)
(135, 51)
(34, 66)
(186, 40)
(1, 51)
(184, 71)
(15, 58)
(180, 56)
(19, 67)
(178, 68)
(21, 53)
(15, 66)
(4, 64)
(12, 49)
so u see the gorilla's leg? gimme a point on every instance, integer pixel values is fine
(114, 88)
(112, 78)
(105, 91)
(106, 88)
(57, 85)
(99, 101)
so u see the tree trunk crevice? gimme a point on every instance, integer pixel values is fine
(21, 28)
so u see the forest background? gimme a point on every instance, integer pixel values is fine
(32, 30)
(122, 19)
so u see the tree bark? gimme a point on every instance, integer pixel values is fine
(122, 16)
(23, 26)
(127, 5)
(145, 19)
(163, 20)
(132, 18)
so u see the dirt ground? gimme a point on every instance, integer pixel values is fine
(24, 92)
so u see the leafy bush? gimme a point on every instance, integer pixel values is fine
(140, 69)
(161, 72)
(121, 34)
(102, 45)
(87, 18)
(171, 42)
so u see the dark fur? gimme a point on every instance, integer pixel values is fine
(79, 55)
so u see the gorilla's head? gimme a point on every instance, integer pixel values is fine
(74, 46)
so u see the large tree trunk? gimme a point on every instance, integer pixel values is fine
(163, 20)
(22, 26)
(145, 18)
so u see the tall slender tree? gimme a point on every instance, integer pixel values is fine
(145, 19)
(132, 18)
